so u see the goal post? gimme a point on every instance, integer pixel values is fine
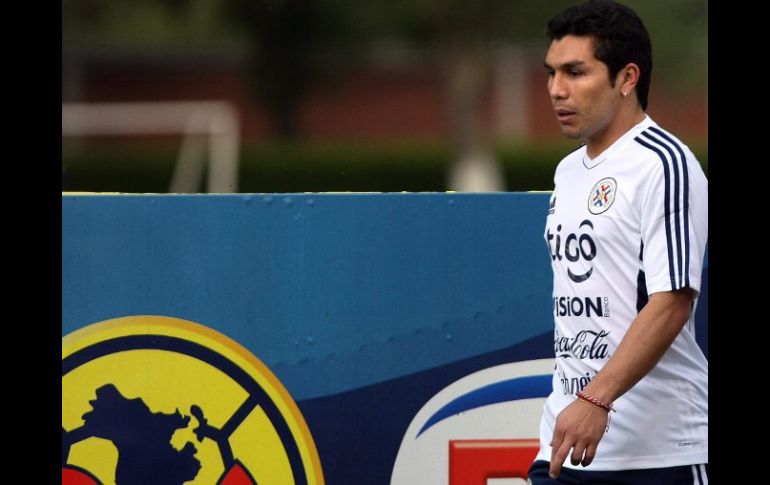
(216, 122)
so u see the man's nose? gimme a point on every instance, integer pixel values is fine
(557, 87)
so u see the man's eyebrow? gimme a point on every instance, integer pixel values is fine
(565, 65)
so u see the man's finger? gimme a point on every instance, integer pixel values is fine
(557, 458)
(590, 454)
(556, 439)
(577, 454)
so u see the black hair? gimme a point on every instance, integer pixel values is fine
(619, 37)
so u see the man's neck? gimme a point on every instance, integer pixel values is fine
(625, 120)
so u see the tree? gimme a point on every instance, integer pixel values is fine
(293, 41)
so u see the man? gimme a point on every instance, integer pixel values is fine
(626, 229)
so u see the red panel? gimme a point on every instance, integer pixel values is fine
(472, 462)
(72, 476)
(237, 475)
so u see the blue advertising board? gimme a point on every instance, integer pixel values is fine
(337, 328)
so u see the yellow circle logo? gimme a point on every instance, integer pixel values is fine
(159, 400)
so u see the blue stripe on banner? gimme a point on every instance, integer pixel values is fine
(376, 417)
(677, 229)
(508, 390)
(686, 198)
(667, 197)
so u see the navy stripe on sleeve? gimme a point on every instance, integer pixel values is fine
(686, 199)
(667, 199)
(677, 225)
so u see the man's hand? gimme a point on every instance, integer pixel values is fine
(579, 427)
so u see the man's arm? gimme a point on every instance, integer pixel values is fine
(581, 425)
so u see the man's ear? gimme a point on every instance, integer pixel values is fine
(628, 77)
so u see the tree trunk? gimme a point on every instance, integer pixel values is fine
(466, 72)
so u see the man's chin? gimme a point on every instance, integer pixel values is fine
(570, 132)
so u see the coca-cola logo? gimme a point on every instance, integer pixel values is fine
(586, 344)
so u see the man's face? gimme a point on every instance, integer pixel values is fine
(583, 99)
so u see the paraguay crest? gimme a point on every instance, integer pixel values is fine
(602, 195)
(159, 400)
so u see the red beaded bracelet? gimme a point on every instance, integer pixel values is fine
(585, 397)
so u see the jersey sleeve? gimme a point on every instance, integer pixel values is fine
(674, 222)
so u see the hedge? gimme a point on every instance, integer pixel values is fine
(146, 166)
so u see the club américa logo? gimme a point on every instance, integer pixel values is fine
(150, 399)
(602, 195)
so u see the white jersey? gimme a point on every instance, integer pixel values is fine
(629, 223)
